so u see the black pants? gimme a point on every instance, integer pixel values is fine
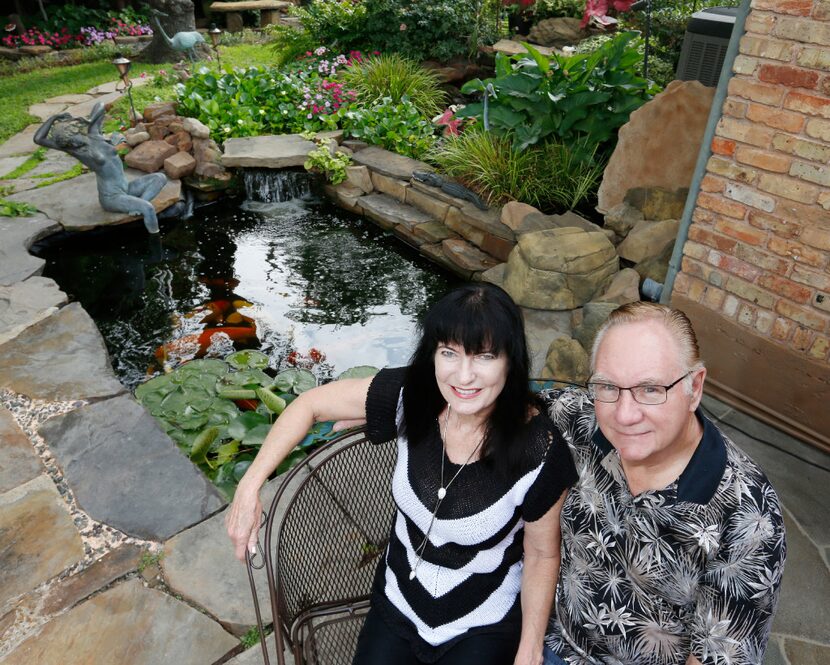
(378, 645)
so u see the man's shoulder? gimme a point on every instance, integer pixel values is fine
(572, 412)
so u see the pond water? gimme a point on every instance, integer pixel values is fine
(303, 281)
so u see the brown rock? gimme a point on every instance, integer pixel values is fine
(513, 214)
(346, 195)
(149, 156)
(433, 232)
(354, 145)
(35, 49)
(648, 239)
(498, 247)
(594, 315)
(466, 256)
(658, 147)
(624, 288)
(392, 186)
(181, 140)
(655, 267)
(657, 203)
(622, 218)
(157, 110)
(208, 158)
(179, 165)
(433, 207)
(157, 132)
(488, 221)
(135, 138)
(437, 193)
(560, 268)
(435, 252)
(360, 177)
(557, 32)
(567, 361)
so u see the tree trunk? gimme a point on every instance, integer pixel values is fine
(180, 18)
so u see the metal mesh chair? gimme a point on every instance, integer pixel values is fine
(322, 543)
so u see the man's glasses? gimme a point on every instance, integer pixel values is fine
(644, 394)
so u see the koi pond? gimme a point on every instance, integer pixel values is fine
(307, 286)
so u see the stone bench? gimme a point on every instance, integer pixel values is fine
(270, 11)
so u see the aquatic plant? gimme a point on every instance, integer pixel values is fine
(332, 164)
(220, 411)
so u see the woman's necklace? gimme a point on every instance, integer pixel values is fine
(442, 490)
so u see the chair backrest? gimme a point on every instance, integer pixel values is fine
(322, 543)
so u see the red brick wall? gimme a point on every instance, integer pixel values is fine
(758, 251)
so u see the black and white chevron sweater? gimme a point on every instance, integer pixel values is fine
(470, 576)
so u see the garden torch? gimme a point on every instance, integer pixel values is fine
(123, 65)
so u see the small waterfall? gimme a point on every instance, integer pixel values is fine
(275, 186)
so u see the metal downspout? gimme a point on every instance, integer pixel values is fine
(705, 150)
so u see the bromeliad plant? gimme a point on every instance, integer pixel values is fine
(581, 99)
(219, 411)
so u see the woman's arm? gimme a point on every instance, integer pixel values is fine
(41, 136)
(339, 400)
(539, 576)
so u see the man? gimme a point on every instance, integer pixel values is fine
(672, 540)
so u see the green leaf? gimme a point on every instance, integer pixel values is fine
(359, 372)
(256, 435)
(273, 403)
(294, 380)
(245, 422)
(202, 443)
(247, 359)
(293, 459)
(541, 61)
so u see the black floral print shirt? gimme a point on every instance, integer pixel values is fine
(694, 568)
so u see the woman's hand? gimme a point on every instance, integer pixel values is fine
(242, 520)
(529, 656)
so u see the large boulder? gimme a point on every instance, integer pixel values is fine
(557, 32)
(622, 218)
(560, 268)
(658, 147)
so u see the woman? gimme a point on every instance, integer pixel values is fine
(473, 557)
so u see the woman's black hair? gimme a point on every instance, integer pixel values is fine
(480, 317)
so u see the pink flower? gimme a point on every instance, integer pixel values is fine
(403, 27)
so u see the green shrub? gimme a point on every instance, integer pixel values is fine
(398, 127)
(332, 23)
(288, 44)
(253, 101)
(330, 164)
(551, 176)
(543, 9)
(580, 99)
(391, 75)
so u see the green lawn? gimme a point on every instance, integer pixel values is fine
(20, 91)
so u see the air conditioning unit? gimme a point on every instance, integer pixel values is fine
(705, 43)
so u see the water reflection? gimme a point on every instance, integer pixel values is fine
(290, 277)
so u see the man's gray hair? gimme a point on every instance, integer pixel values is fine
(675, 321)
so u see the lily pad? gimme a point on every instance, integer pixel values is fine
(256, 435)
(247, 359)
(294, 380)
(245, 422)
(359, 372)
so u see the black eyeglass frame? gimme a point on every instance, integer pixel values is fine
(590, 385)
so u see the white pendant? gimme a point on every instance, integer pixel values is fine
(412, 575)
(442, 492)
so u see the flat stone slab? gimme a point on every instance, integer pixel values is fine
(125, 471)
(389, 212)
(21, 143)
(39, 539)
(83, 109)
(18, 234)
(9, 164)
(45, 110)
(70, 99)
(115, 86)
(127, 624)
(388, 163)
(510, 47)
(18, 461)
(805, 653)
(192, 558)
(74, 203)
(25, 303)
(268, 152)
(243, 5)
(62, 357)
(805, 588)
(253, 656)
(467, 256)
